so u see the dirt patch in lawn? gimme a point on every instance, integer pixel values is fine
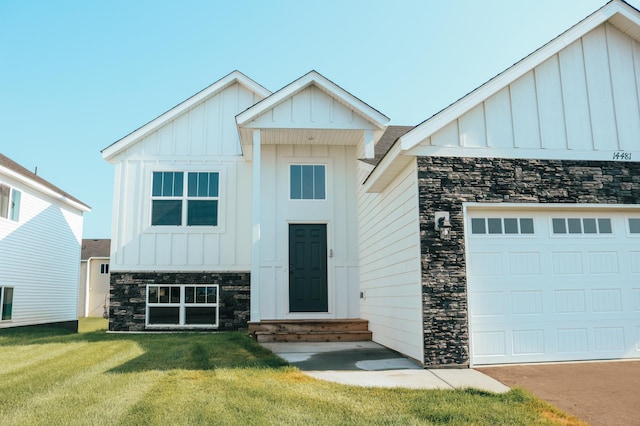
(600, 393)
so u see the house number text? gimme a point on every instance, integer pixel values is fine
(621, 156)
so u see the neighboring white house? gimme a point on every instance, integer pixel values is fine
(40, 235)
(504, 229)
(93, 289)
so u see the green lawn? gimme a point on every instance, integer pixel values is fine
(52, 377)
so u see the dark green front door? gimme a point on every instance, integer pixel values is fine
(308, 268)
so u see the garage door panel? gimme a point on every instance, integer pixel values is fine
(554, 297)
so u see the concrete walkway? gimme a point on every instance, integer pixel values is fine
(371, 364)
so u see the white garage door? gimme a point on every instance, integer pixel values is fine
(554, 285)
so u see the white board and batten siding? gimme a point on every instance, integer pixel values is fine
(40, 258)
(309, 127)
(202, 139)
(338, 211)
(581, 103)
(390, 271)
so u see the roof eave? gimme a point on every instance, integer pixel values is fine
(313, 78)
(110, 152)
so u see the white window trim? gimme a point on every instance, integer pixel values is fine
(308, 163)
(183, 227)
(2, 295)
(182, 307)
(12, 190)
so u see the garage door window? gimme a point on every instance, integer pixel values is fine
(497, 226)
(634, 226)
(575, 226)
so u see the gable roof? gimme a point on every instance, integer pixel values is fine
(95, 248)
(226, 81)
(11, 168)
(617, 12)
(313, 78)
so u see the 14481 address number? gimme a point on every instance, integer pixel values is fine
(621, 156)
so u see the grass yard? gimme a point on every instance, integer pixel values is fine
(53, 377)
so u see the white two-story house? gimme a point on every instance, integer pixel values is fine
(40, 238)
(505, 228)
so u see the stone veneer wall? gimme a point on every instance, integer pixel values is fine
(445, 183)
(127, 295)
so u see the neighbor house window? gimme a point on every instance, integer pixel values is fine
(104, 268)
(9, 202)
(182, 305)
(6, 303)
(561, 225)
(185, 202)
(307, 182)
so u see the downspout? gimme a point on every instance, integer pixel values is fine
(86, 293)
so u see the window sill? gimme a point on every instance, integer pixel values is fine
(171, 229)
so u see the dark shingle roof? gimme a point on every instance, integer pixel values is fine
(95, 248)
(386, 142)
(17, 168)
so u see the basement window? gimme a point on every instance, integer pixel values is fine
(183, 306)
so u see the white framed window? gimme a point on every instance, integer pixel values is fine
(578, 226)
(634, 226)
(104, 268)
(307, 182)
(6, 303)
(191, 305)
(176, 201)
(499, 226)
(9, 202)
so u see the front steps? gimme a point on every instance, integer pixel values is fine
(339, 330)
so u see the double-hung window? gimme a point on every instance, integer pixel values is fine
(9, 202)
(6, 303)
(192, 305)
(180, 201)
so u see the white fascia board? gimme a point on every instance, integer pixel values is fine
(232, 78)
(523, 154)
(313, 78)
(44, 190)
(466, 103)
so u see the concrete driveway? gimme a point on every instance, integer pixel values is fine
(600, 393)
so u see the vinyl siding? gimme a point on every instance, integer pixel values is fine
(390, 263)
(40, 259)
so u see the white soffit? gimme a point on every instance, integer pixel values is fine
(230, 79)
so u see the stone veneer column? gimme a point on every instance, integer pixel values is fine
(127, 294)
(446, 183)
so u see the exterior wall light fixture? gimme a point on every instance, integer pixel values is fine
(443, 225)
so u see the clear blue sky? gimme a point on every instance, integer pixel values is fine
(75, 76)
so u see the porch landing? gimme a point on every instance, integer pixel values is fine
(334, 330)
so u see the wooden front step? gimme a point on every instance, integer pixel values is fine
(350, 330)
